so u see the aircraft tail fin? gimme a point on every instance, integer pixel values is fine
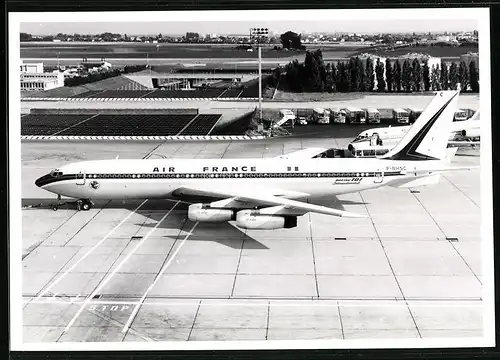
(427, 139)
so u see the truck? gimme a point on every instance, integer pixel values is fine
(460, 115)
(414, 113)
(321, 116)
(373, 116)
(355, 115)
(401, 116)
(337, 115)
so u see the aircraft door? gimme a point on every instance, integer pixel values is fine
(80, 178)
(379, 177)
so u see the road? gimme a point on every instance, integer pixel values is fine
(377, 101)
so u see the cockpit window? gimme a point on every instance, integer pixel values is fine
(361, 137)
(56, 173)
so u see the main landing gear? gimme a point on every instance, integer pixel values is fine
(81, 204)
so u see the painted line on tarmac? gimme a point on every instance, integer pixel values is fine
(137, 307)
(46, 290)
(449, 303)
(113, 273)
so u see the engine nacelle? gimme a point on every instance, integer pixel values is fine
(203, 213)
(252, 219)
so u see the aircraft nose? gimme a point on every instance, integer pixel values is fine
(42, 180)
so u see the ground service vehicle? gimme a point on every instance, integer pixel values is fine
(338, 116)
(460, 115)
(285, 116)
(321, 116)
(373, 116)
(355, 115)
(414, 113)
(401, 116)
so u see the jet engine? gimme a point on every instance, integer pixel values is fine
(252, 219)
(204, 213)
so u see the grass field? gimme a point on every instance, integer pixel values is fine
(281, 95)
(210, 51)
(166, 50)
(127, 50)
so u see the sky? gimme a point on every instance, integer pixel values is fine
(242, 27)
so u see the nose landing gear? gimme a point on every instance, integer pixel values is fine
(84, 204)
(81, 204)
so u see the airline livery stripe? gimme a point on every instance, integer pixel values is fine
(211, 175)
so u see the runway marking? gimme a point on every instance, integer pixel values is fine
(136, 309)
(102, 284)
(89, 252)
(72, 126)
(477, 303)
(461, 191)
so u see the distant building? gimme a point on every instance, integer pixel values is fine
(469, 57)
(95, 66)
(32, 68)
(41, 81)
(422, 58)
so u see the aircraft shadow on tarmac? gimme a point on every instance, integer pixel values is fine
(223, 233)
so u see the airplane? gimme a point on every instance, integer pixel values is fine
(384, 138)
(264, 193)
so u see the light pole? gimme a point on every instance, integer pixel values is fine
(260, 82)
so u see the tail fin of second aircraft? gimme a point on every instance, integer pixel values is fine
(427, 139)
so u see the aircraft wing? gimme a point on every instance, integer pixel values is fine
(302, 154)
(279, 204)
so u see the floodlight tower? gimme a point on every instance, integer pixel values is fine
(260, 83)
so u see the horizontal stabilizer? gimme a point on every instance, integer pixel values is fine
(308, 153)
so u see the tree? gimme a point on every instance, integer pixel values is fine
(463, 76)
(334, 76)
(474, 77)
(312, 70)
(444, 79)
(360, 69)
(417, 79)
(453, 76)
(406, 76)
(25, 37)
(354, 76)
(397, 76)
(291, 40)
(435, 78)
(426, 76)
(389, 75)
(343, 77)
(192, 37)
(379, 72)
(329, 82)
(369, 75)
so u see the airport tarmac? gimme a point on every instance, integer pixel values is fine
(141, 271)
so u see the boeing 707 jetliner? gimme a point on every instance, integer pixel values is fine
(264, 193)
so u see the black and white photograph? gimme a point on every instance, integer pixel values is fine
(250, 179)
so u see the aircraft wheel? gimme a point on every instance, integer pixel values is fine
(55, 207)
(86, 205)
